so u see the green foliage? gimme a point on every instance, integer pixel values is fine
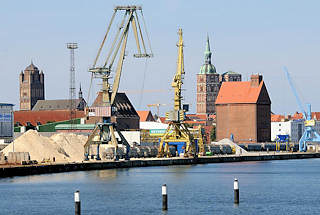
(213, 133)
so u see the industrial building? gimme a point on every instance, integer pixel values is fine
(6, 123)
(31, 87)
(48, 111)
(294, 127)
(125, 114)
(35, 118)
(243, 111)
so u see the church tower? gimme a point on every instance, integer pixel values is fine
(31, 87)
(208, 84)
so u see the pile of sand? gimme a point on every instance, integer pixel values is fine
(64, 147)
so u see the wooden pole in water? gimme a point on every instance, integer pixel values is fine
(164, 198)
(77, 205)
(236, 191)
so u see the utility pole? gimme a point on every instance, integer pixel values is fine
(72, 93)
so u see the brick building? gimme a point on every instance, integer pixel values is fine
(207, 84)
(243, 109)
(31, 87)
(230, 76)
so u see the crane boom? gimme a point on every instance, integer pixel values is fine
(295, 93)
(309, 134)
(104, 133)
(177, 133)
(177, 80)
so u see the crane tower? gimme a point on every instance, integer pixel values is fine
(177, 133)
(104, 132)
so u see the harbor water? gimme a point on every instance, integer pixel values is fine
(266, 187)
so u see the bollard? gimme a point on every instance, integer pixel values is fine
(164, 198)
(77, 208)
(236, 191)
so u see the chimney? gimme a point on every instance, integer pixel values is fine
(255, 80)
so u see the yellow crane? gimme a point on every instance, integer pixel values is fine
(177, 133)
(104, 132)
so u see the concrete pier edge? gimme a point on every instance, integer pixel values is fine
(11, 171)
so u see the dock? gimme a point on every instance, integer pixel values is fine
(24, 170)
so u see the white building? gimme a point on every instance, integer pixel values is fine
(293, 128)
(280, 128)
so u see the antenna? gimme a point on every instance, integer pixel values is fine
(72, 93)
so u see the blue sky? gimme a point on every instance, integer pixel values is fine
(246, 36)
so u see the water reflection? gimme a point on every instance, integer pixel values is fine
(193, 189)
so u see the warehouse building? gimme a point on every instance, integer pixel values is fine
(244, 111)
(124, 114)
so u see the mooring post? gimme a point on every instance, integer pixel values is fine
(236, 191)
(77, 204)
(98, 153)
(164, 198)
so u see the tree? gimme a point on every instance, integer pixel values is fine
(213, 133)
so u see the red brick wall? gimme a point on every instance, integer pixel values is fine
(263, 123)
(237, 119)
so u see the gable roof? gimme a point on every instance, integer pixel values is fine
(61, 104)
(121, 102)
(145, 115)
(241, 93)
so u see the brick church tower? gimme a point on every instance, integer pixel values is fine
(31, 87)
(208, 85)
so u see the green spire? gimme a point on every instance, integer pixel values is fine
(207, 52)
(207, 67)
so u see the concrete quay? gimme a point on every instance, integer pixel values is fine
(23, 170)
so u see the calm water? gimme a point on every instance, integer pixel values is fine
(272, 187)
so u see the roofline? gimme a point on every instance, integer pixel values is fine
(6, 104)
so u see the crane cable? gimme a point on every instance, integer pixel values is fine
(146, 62)
(143, 81)
(146, 32)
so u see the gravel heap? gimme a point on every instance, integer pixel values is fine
(64, 147)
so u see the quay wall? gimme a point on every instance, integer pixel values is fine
(23, 170)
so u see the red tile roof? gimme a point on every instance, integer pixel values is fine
(197, 116)
(145, 115)
(43, 116)
(162, 119)
(238, 92)
(314, 115)
(277, 118)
